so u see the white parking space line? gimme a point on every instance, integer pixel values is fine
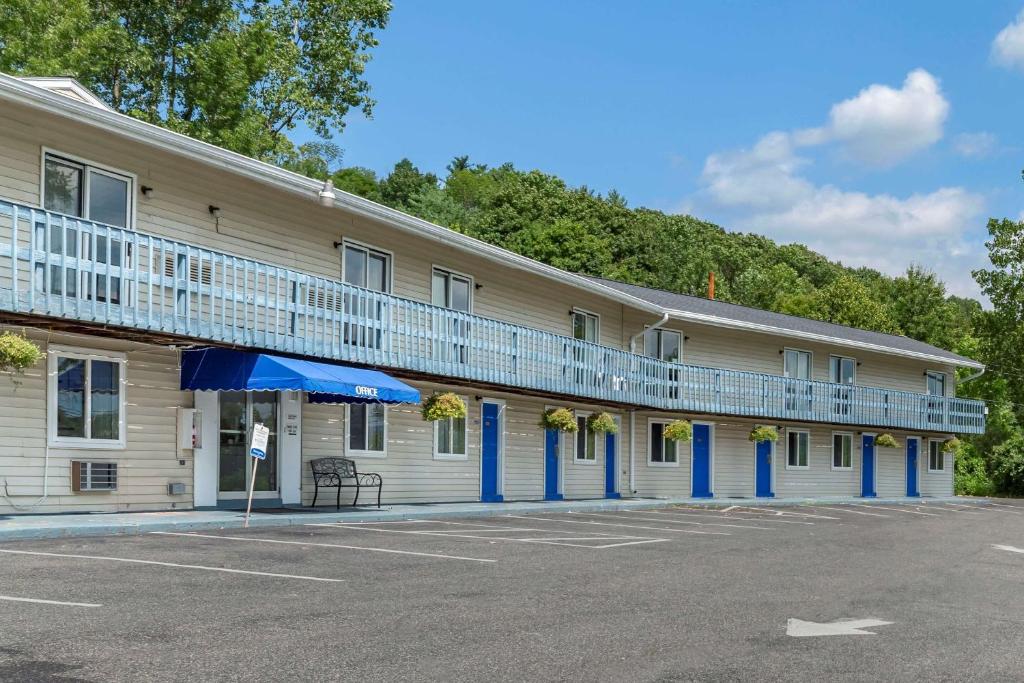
(1008, 548)
(632, 540)
(630, 526)
(326, 545)
(785, 513)
(966, 509)
(50, 602)
(1002, 508)
(171, 564)
(638, 515)
(715, 515)
(855, 512)
(909, 512)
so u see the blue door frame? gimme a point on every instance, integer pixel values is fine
(551, 492)
(867, 467)
(763, 469)
(700, 462)
(610, 463)
(490, 455)
(913, 446)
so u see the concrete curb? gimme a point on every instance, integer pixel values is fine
(37, 527)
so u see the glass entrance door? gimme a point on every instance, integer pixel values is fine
(239, 411)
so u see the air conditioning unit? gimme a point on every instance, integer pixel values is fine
(93, 476)
(176, 488)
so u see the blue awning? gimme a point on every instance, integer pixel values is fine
(219, 369)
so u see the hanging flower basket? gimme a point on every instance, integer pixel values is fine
(680, 430)
(886, 441)
(443, 407)
(17, 353)
(561, 419)
(952, 445)
(763, 433)
(602, 423)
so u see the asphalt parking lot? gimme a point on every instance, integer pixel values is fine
(937, 592)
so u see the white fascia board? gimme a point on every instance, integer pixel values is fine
(823, 338)
(14, 90)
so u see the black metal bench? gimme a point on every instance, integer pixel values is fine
(334, 472)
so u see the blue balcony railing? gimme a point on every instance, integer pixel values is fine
(64, 267)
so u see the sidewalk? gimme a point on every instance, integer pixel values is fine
(24, 527)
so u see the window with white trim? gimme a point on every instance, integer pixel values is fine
(586, 440)
(450, 438)
(666, 345)
(367, 429)
(936, 458)
(842, 451)
(586, 326)
(661, 451)
(79, 189)
(798, 449)
(85, 401)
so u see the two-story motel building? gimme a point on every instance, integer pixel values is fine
(127, 249)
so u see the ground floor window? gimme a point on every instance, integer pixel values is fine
(86, 398)
(661, 451)
(586, 441)
(842, 451)
(798, 450)
(367, 429)
(936, 458)
(450, 438)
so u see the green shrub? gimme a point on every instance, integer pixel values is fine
(561, 419)
(886, 441)
(443, 407)
(602, 423)
(764, 433)
(1007, 462)
(17, 353)
(970, 475)
(680, 430)
(952, 445)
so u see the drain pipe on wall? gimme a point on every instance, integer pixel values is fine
(632, 340)
(632, 459)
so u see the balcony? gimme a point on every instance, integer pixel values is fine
(64, 267)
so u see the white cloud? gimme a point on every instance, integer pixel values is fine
(1008, 45)
(763, 189)
(974, 145)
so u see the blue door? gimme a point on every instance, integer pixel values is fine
(867, 474)
(551, 465)
(490, 441)
(763, 469)
(609, 466)
(912, 446)
(701, 462)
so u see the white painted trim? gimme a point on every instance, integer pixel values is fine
(352, 453)
(438, 455)
(942, 455)
(56, 83)
(502, 406)
(597, 322)
(369, 247)
(711, 454)
(576, 459)
(55, 351)
(132, 178)
(832, 462)
(798, 430)
(651, 463)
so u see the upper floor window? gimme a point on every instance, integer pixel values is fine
(451, 290)
(936, 458)
(80, 189)
(366, 267)
(585, 326)
(85, 401)
(936, 383)
(664, 345)
(586, 441)
(842, 370)
(797, 364)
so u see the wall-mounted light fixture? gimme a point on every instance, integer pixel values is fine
(214, 211)
(326, 194)
(147, 191)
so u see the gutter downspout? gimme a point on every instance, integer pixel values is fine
(971, 377)
(632, 459)
(632, 340)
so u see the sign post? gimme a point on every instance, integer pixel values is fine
(258, 451)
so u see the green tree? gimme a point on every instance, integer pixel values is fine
(358, 180)
(405, 181)
(237, 73)
(847, 301)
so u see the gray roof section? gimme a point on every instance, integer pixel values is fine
(788, 323)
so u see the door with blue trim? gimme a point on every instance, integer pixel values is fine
(763, 469)
(551, 448)
(867, 465)
(610, 464)
(700, 461)
(490, 457)
(912, 447)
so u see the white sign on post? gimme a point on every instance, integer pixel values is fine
(258, 450)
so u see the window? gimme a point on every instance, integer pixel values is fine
(797, 365)
(842, 451)
(665, 345)
(367, 429)
(936, 458)
(454, 291)
(661, 451)
(936, 385)
(85, 401)
(586, 441)
(798, 447)
(585, 326)
(842, 370)
(79, 189)
(450, 439)
(368, 268)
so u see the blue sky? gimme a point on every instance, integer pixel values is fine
(880, 133)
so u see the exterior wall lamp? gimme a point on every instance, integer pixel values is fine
(326, 194)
